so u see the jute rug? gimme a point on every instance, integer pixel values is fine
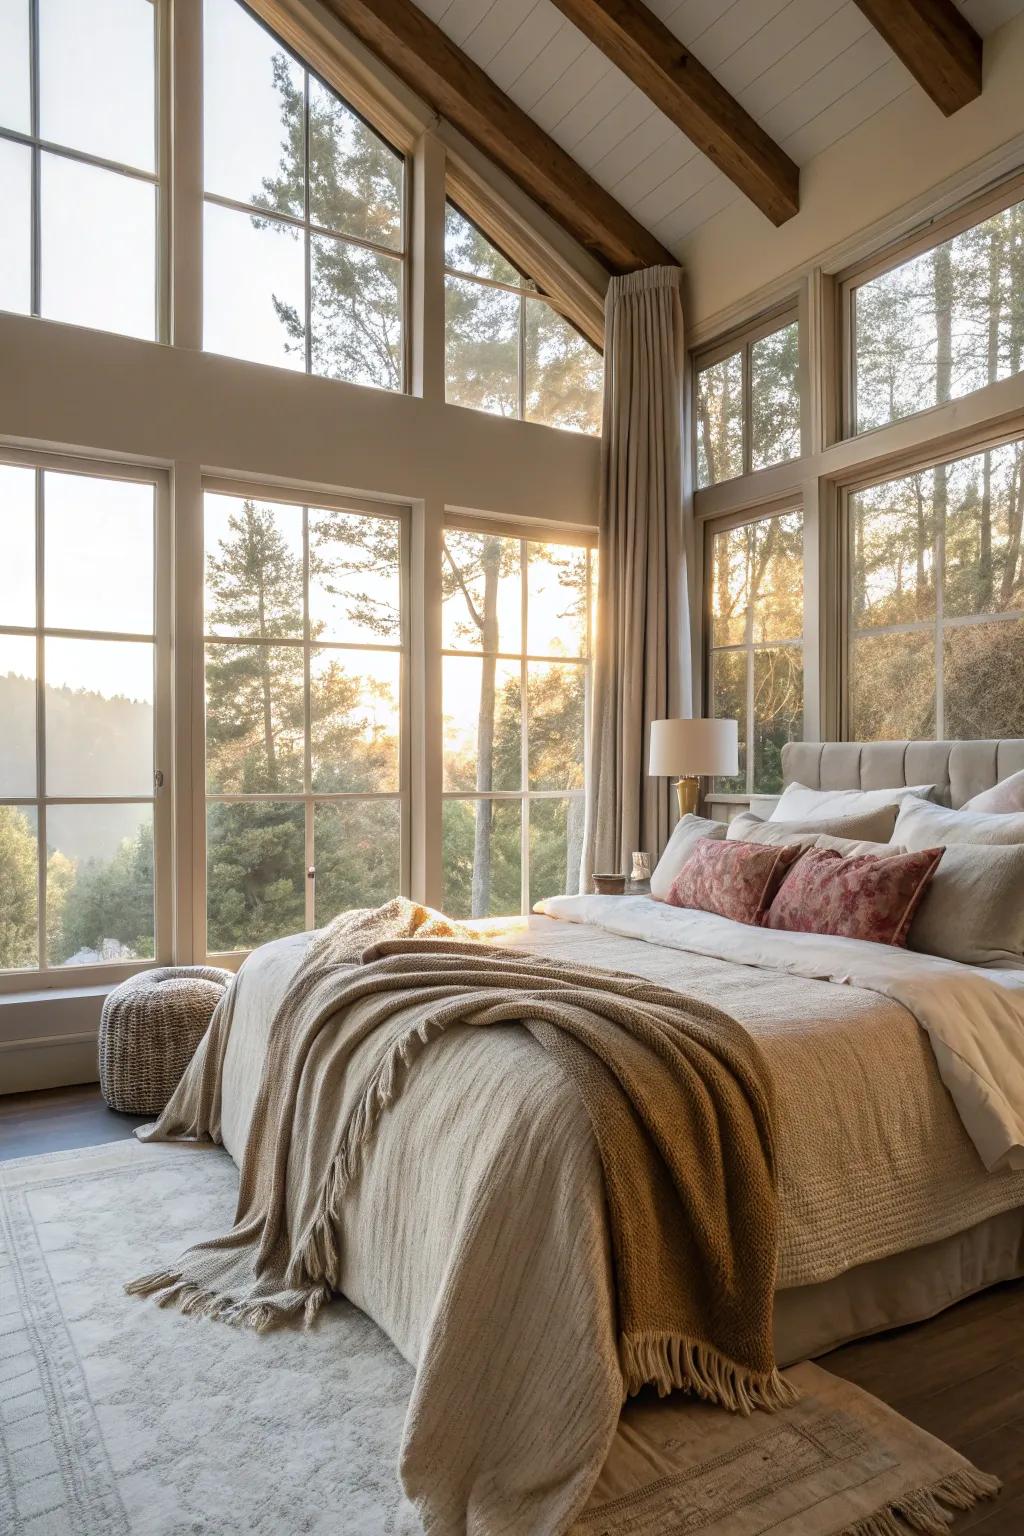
(116, 1417)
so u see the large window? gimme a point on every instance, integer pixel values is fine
(303, 239)
(82, 825)
(756, 627)
(947, 322)
(516, 619)
(304, 679)
(936, 601)
(747, 398)
(78, 162)
(506, 349)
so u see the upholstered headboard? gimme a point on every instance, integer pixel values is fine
(958, 769)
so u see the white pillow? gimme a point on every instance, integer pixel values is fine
(922, 825)
(798, 803)
(1003, 798)
(678, 849)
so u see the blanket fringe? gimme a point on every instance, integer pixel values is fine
(168, 1288)
(671, 1362)
(931, 1510)
(316, 1257)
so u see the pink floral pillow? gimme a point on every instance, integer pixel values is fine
(866, 896)
(733, 878)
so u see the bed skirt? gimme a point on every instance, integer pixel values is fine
(903, 1288)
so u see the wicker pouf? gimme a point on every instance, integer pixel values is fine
(149, 1029)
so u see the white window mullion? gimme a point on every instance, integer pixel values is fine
(183, 173)
(524, 712)
(40, 721)
(307, 721)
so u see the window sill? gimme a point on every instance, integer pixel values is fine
(51, 995)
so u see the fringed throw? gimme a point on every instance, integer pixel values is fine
(932, 1510)
(676, 1092)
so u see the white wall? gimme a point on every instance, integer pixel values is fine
(883, 171)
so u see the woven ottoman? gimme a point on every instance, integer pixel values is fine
(149, 1029)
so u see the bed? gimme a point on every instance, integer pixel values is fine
(497, 1288)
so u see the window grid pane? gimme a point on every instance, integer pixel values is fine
(309, 205)
(507, 350)
(304, 661)
(513, 720)
(748, 409)
(756, 622)
(80, 240)
(939, 326)
(932, 657)
(82, 832)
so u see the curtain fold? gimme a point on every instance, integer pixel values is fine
(642, 654)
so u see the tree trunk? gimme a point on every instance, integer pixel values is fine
(481, 890)
(705, 431)
(942, 276)
(985, 584)
(1015, 520)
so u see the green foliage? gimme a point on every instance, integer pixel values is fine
(103, 902)
(255, 870)
(18, 911)
(355, 187)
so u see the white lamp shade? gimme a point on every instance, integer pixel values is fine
(694, 747)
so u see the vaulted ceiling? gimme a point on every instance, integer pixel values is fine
(807, 71)
(634, 122)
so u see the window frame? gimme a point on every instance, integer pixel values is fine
(309, 798)
(158, 178)
(924, 238)
(525, 535)
(741, 340)
(725, 524)
(309, 229)
(162, 797)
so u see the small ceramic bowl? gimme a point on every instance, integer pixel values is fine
(609, 885)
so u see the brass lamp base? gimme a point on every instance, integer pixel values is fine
(688, 791)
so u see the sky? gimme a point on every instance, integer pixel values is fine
(99, 576)
(97, 94)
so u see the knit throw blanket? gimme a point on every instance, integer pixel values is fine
(676, 1092)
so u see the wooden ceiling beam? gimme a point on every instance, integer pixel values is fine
(450, 82)
(655, 60)
(937, 44)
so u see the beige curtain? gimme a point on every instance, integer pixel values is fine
(642, 649)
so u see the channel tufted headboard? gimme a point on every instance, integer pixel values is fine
(958, 769)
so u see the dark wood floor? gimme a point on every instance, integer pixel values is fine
(58, 1119)
(960, 1376)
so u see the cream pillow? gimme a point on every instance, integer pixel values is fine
(871, 826)
(850, 848)
(1002, 799)
(678, 849)
(923, 825)
(798, 803)
(973, 910)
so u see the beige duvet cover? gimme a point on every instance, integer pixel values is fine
(518, 1388)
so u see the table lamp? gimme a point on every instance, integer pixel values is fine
(691, 748)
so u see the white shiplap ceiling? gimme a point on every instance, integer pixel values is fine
(809, 71)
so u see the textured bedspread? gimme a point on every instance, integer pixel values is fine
(477, 1239)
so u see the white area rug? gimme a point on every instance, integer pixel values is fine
(119, 1419)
